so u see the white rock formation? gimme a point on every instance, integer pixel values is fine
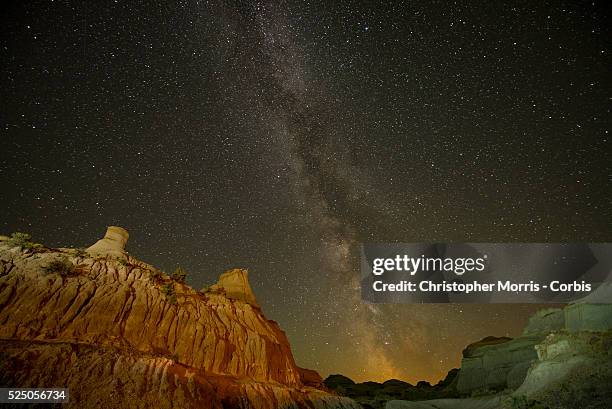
(113, 243)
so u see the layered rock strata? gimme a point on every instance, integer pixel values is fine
(495, 366)
(504, 363)
(121, 333)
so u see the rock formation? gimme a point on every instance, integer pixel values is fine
(563, 360)
(235, 285)
(495, 364)
(545, 321)
(574, 361)
(374, 395)
(113, 243)
(120, 333)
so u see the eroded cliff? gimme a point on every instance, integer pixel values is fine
(121, 333)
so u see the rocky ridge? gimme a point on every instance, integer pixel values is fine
(563, 360)
(374, 395)
(120, 333)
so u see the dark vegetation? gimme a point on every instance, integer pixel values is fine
(179, 275)
(374, 395)
(170, 293)
(23, 241)
(61, 266)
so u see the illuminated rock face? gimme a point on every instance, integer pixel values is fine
(588, 317)
(113, 243)
(496, 363)
(235, 285)
(555, 343)
(113, 333)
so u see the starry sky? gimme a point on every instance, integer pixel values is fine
(278, 136)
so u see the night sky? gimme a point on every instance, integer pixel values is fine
(279, 136)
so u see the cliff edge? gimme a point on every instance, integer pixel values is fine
(120, 333)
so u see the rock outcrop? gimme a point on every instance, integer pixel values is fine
(374, 395)
(574, 362)
(234, 284)
(491, 365)
(581, 316)
(563, 360)
(545, 321)
(112, 245)
(495, 364)
(312, 378)
(573, 370)
(120, 333)
(588, 317)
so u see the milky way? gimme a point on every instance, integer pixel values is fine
(279, 136)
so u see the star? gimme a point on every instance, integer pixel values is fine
(279, 138)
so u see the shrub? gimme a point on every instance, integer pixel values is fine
(169, 292)
(23, 241)
(155, 275)
(61, 266)
(179, 275)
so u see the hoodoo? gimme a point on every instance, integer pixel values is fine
(113, 243)
(235, 284)
(112, 328)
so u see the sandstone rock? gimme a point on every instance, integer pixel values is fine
(312, 378)
(545, 321)
(486, 341)
(582, 316)
(113, 243)
(112, 334)
(588, 317)
(494, 364)
(573, 369)
(235, 285)
(111, 378)
(563, 360)
(544, 363)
